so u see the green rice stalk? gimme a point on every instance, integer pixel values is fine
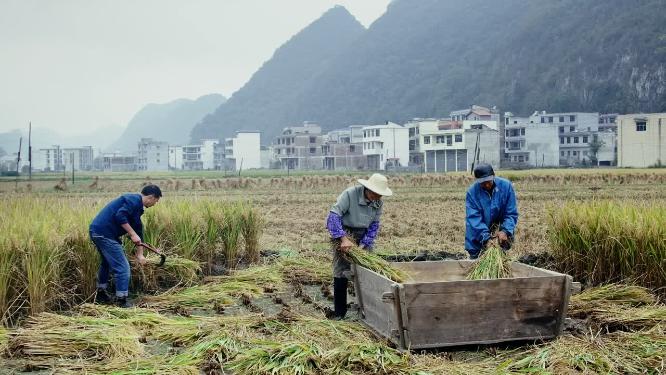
(374, 263)
(7, 264)
(42, 255)
(83, 258)
(203, 296)
(619, 294)
(492, 264)
(55, 336)
(369, 358)
(251, 229)
(230, 234)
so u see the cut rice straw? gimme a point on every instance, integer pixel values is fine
(375, 263)
(492, 264)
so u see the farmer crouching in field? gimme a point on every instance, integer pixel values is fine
(354, 221)
(491, 211)
(121, 216)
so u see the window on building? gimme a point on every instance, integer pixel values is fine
(561, 140)
(543, 120)
(521, 158)
(506, 133)
(458, 137)
(612, 120)
(313, 139)
(522, 131)
(439, 139)
(313, 150)
(575, 153)
(575, 139)
(572, 128)
(561, 153)
(352, 148)
(527, 158)
(584, 139)
(561, 129)
(550, 119)
(568, 153)
(568, 139)
(561, 118)
(377, 133)
(158, 160)
(641, 126)
(515, 122)
(572, 118)
(449, 140)
(426, 140)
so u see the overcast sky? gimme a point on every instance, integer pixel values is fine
(77, 65)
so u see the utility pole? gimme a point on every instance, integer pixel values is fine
(18, 161)
(30, 150)
(71, 156)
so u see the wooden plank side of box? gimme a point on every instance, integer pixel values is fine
(379, 314)
(483, 311)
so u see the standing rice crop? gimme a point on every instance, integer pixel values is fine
(492, 264)
(602, 242)
(41, 253)
(251, 229)
(7, 259)
(82, 260)
(188, 231)
(230, 234)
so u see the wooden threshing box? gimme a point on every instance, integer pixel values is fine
(437, 307)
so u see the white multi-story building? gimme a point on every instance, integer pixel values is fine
(343, 149)
(386, 146)
(153, 155)
(81, 158)
(116, 162)
(454, 145)
(641, 140)
(176, 157)
(205, 156)
(558, 139)
(243, 151)
(50, 159)
(299, 147)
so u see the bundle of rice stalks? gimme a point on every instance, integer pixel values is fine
(617, 353)
(301, 270)
(368, 358)
(375, 263)
(154, 365)
(203, 296)
(618, 306)
(175, 271)
(618, 294)
(138, 317)
(261, 276)
(492, 264)
(251, 229)
(56, 336)
(269, 357)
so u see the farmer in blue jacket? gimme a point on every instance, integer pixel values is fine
(121, 216)
(491, 211)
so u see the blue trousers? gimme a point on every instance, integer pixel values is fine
(113, 259)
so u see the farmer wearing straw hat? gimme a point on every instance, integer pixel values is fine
(491, 211)
(354, 221)
(121, 216)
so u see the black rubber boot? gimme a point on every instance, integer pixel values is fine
(123, 302)
(340, 297)
(102, 297)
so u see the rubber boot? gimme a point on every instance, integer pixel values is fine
(102, 297)
(123, 302)
(340, 297)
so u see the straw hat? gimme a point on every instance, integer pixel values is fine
(378, 184)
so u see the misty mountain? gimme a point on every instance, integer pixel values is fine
(170, 122)
(424, 58)
(44, 137)
(266, 102)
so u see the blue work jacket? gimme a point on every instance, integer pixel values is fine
(127, 208)
(483, 209)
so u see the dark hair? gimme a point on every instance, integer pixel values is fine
(153, 190)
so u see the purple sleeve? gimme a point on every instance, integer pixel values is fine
(369, 239)
(334, 225)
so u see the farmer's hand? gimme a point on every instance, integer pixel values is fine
(141, 259)
(135, 239)
(345, 244)
(502, 237)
